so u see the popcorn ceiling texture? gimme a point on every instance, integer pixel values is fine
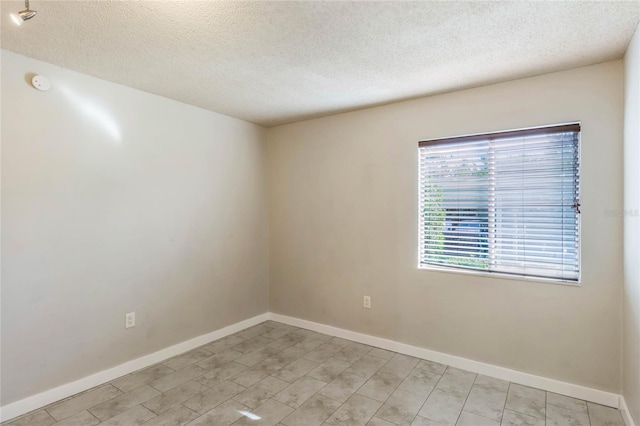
(278, 62)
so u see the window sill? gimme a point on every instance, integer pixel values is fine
(499, 275)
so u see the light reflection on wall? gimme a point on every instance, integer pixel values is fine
(96, 114)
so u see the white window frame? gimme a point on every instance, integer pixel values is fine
(503, 275)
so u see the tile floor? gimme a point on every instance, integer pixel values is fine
(275, 374)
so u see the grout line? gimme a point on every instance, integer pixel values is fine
(567, 408)
(396, 388)
(329, 416)
(432, 389)
(504, 406)
(429, 394)
(466, 398)
(492, 390)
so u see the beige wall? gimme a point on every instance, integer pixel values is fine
(631, 348)
(343, 216)
(169, 222)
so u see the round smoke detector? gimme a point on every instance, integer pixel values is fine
(41, 83)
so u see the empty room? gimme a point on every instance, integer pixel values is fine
(305, 213)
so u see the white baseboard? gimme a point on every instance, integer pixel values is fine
(40, 400)
(626, 414)
(544, 383)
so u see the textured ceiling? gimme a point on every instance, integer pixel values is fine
(277, 62)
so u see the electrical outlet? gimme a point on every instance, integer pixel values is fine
(130, 320)
(367, 302)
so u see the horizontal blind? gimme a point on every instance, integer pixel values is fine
(502, 202)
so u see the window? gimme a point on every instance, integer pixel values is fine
(504, 202)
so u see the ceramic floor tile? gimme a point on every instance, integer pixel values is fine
(558, 416)
(381, 353)
(207, 400)
(456, 380)
(275, 324)
(83, 401)
(165, 401)
(357, 411)
(224, 414)
(83, 418)
(136, 416)
(400, 365)
(328, 370)
(526, 400)
(343, 386)
(188, 358)
(124, 402)
(38, 418)
(259, 393)
(253, 375)
(295, 370)
(604, 416)
(285, 341)
(304, 333)
(254, 331)
(566, 402)
(137, 379)
(177, 378)
(299, 391)
(223, 344)
(269, 413)
(380, 386)
(309, 343)
(401, 407)
(513, 418)
(420, 382)
(312, 412)
(367, 366)
(323, 352)
(287, 356)
(276, 333)
(486, 402)
(342, 343)
(220, 374)
(176, 416)
(376, 421)
(432, 367)
(353, 352)
(252, 358)
(468, 419)
(251, 345)
(421, 421)
(219, 359)
(443, 406)
(486, 382)
(314, 335)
